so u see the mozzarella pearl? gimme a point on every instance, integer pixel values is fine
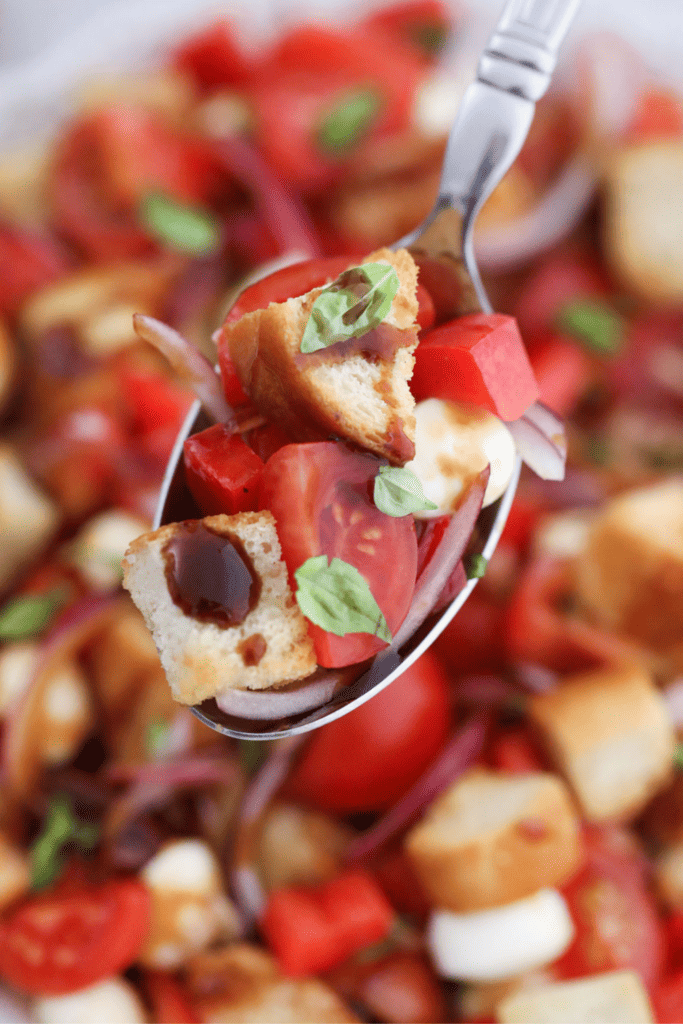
(453, 444)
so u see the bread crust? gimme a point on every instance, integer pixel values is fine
(317, 395)
(533, 843)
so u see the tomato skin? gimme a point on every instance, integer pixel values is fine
(170, 1004)
(288, 283)
(560, 278)
(311, 930)
(424, 25)
(659, 115)
(478, 359)
(366, 760)
(82, 932)
(222, 471)
(513, 750)
(321, 496)
(213, 57)
(472, 641)
(28, 261)
(563, 371)
(616, 918)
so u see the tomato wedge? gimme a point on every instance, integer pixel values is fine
(321, 497)
(73, 936)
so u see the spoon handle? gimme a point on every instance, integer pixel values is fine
(521, 54)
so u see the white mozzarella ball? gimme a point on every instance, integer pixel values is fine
(114, 1001)
(500, 943)
(453, 443)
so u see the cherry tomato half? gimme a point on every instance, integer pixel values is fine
(368, 759)
(73, 936)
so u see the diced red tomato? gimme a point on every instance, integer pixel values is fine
(288, 283)
(28, 261)
(472, 641)
(616, 919)
(73, 936)
(222, 471)
(558, 279)
(426, 312)
(312, 930)
(478, 359)
(396, 874)
(563, 371)
(170, 1004)
(153, 401)
(424, 25)
(659, 115)
(521, 522)
(370, 757)
(141, 155)
(667, 999)
(267, 440)
(400, 988)
(321, 497)
(513, 750)
(214, 57)
(673, 933)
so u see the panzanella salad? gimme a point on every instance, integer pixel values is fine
(360, 440)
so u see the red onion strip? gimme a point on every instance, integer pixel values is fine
(455, 758)
(285, 216)
(264, 705)
(443, 561)
(189, 364)
(246, 885)
(488, 691)
(540, 439)
(536, 678)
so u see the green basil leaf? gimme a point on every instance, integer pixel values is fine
(46, 852)
(593, 323)
(357, 302)
(475, 567)
(667, 458)
(398, 492)
(337, 598)
(156, 736)
(430, 36)
(26, 616)
(252, 754)
(678, 757)
(348, 121)
(185, 228)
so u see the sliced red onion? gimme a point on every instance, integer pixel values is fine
(673, 699)
(185, 772)
(444, 560)
(536, 678)
(456, 757)
(189, 364)
(540, 439)
(271, 704)
(248, 891)
(559, 210)
(285, 215)
(485, 691)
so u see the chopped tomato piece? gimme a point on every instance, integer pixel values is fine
(368, 759)
(73, 936)
(28, 261)
(222, 471)
(424, 25)
(396, 874)
(153, 400)
(667, 1000)
(267, 440)
(520, 523)
(563, 371)
(513, 750)
(560, 278)
(616, 919)
(288, 283)
(312, 930)
(321, 497)
(659, 115)
(472, 641)
(478, 359)
(214, 58)
(170, 1004)
(426, 312)
(397, 988)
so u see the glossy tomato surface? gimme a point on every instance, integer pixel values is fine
(321, 497)
(368, 759)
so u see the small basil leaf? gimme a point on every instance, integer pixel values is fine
(398, 492)
(593, 323)
(357, 302)
(475, 567)
(348, 121)
(46, 853)
(156, 737)
(184, 228)
(430, 36)
(23, 617)
(678, 757)
(252, 754)
(337, 598)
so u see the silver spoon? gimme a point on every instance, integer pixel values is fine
(489, 131)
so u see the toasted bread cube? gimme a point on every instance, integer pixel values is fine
(630, 573)
(28, 518)
(270, 646)
(298, 846)
(644, 219)
(8, 364)
(15, 872)
(615, 998)
(189, 907)
(251, 989)
(122, 657)
(494, 838)
(18, 662)
(363, 398)
(667, 875)
(100, 544)
(611, 736)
